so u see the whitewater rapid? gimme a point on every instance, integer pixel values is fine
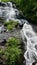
(9, 12)
(30, 41)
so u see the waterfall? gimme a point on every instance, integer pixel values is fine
(30, 41)
(8, 11)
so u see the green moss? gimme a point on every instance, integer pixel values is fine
(1, 52)
(5, 0)
(7, 23)
(11, 54)
(13, 41)
(12, 51)
(10, 25)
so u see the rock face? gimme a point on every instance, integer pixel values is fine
(30, 40)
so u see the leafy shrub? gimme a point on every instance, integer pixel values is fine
(6, 23)
(12, 54)
(10, 25)
(14, 41)
(1, 52)
(12, 51)
(29, 9)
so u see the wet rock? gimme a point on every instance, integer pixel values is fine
(3, 42)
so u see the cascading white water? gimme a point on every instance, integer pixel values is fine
(28, 34)
(10, 12)
(7, 11)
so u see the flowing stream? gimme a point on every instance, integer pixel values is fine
(8, 11)
(30, 40)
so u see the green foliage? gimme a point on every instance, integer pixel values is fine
(10, 25)
(5, 0)
(12, 51)
(1, 52)
(29, 9)
(13, 42)
(6, 23)
(16, 1)
(12, 54)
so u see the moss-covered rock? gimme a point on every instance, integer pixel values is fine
(10, 25)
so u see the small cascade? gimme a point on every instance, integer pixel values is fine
(30, 41)
(8, 11)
